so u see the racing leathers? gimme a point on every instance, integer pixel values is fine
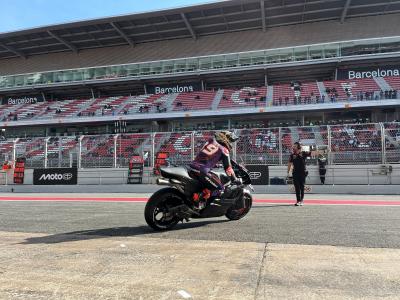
(211, 154)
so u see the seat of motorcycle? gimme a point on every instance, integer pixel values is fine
(175, 173)
(181, 174)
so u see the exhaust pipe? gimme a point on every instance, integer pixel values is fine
(162, 181)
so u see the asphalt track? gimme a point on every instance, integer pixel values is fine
(88, 246)
(351, 221)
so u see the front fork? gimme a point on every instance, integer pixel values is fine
(247, 192)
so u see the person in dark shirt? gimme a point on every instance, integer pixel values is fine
(297, 160)
(322, 161)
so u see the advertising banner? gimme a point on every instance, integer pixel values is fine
(55, 176)
(21, 100)
(371, 72)
(174, 88)
(259, 174)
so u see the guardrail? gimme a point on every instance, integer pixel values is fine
(99, 177)
(367, 176)
(3, 178)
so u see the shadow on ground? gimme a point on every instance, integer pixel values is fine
(111, 232)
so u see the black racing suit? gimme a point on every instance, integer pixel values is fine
(322, 168)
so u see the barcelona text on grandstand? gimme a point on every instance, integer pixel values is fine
(175, 89)
(375, 73)
(24, 100)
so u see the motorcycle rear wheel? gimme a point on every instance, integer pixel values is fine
(156, 211)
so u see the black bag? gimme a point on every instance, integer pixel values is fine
(277, 181)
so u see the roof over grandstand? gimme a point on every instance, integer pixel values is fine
(192, 22)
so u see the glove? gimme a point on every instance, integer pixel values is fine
(237, 181)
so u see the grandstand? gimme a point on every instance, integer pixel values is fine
(323, 72)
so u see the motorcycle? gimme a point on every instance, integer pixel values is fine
(173, 204)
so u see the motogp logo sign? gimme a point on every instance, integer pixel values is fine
(67, 176)
(255, 175)
(58, 176)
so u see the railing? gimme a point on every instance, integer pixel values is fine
(376, 143)
(377, 46)
(347, 176)
(3, 178)
(98, 177)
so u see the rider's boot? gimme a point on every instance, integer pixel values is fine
(200, 199)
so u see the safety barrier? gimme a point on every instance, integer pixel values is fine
(376, 143)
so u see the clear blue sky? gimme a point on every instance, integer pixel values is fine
(22, 14)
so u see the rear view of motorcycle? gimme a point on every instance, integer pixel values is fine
(173, 204)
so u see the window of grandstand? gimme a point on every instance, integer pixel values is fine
(222, 61)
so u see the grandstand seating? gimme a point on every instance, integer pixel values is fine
(353, 87)
(99, 106)
(33, 149)
(365, 85)
(241, 98)
(27, 111)
(132, 103)
(281, 91)
(131, 144)
(244, 97)
(99, 148)
(309, 88)
(68, 109)
(194, 101)
(287, 142)
(255, 145)
(356, 138)
(258, 146)
(176, 143)
(5, 109)
(6, 148)
(394, 82)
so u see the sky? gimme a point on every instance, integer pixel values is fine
(23, 14)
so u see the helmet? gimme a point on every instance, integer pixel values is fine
(226, 138)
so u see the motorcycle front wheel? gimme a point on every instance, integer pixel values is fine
(237, 211)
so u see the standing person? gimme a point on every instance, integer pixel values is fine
(322, 161)
(297, 160)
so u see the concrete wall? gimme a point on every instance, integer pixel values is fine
(105, 176)
(347, 175)
(349, 179)
(336, 175)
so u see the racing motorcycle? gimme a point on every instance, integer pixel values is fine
(173, 204)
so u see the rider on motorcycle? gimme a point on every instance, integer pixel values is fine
(215, 150)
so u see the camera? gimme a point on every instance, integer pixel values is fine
(308, 148)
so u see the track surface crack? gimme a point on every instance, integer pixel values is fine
(260, 271)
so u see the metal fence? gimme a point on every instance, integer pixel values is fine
(374, 143)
